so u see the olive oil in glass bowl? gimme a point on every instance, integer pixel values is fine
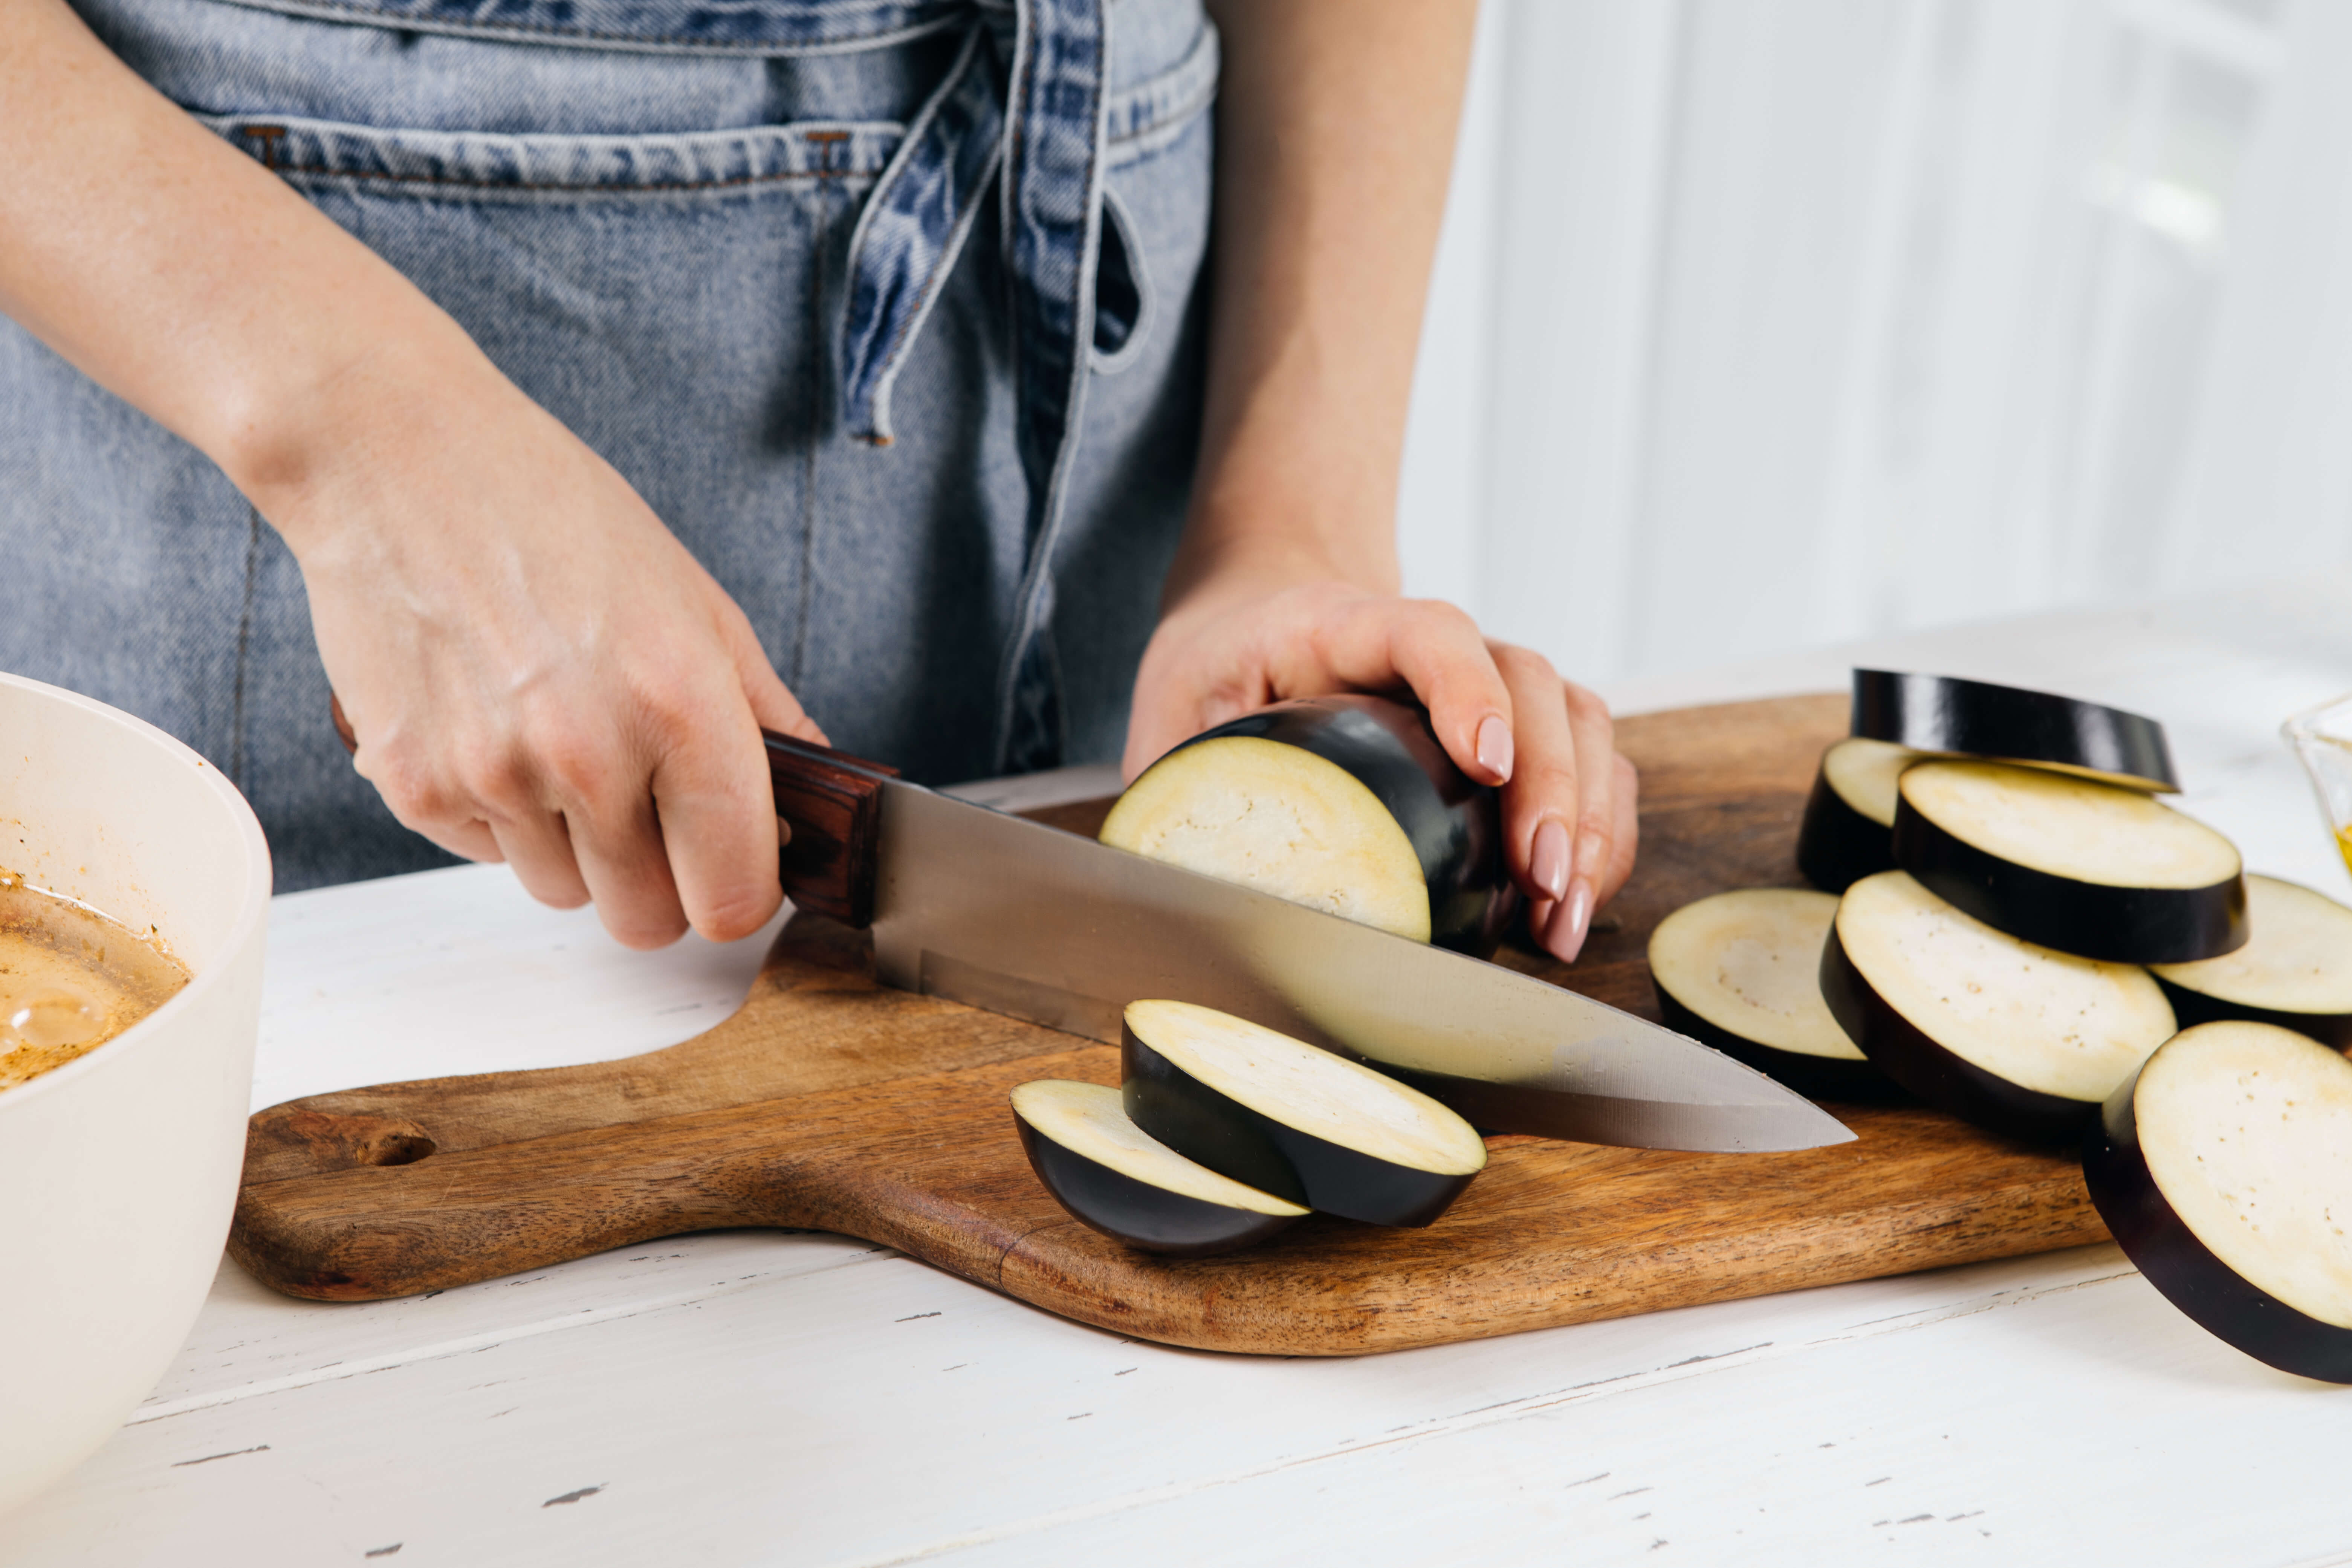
(2322, 737)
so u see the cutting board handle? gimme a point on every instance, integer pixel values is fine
(830, 805)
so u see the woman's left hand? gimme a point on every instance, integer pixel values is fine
(1505, 717)
(1335, 123)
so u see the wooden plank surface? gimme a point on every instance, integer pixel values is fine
(828, 1102)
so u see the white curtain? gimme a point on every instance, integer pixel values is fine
(1760, 323)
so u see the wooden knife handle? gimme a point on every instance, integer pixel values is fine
(831, 803)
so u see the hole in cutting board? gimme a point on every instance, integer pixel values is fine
(397, 1149)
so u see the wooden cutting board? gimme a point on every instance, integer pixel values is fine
(831, 1103)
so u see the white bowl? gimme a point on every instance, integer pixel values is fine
(117, 1171)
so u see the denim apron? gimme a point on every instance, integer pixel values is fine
(892, 312)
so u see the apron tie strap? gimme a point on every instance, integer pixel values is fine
(1040, 133)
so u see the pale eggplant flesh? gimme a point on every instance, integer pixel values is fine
(1848, 830)
(2223, 1168)
(1741, 971)
(2019, 1039)
(1117, 1179)
(2295, 971)
(1281, 1116)
(1977, 718)
(2071, 863)
(1344, 803)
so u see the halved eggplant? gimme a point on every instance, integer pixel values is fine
(2224, 1169)
(1346, 803)
(1848, 830)
(2294, 972)
(1942, 713)
(1279, 1115)
(2016, 1038)
(1741, 971)
(1114, 1176)
(2069, 863)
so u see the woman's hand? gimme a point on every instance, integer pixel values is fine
(533, 669)
(1506, 717)
(1335, 130)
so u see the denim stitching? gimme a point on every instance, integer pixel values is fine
(816, 398)
(372, 15)
(1048, 420)
(237, 734)
(605, 189)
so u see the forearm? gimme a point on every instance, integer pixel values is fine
(1336, 124)
(183, 275)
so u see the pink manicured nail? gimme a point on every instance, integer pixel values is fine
(1566, 937)
(1495, 747)
(1548, 859)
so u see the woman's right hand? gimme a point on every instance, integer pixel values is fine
(536, 671)
(533, 667)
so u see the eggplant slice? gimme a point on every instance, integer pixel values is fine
(2086, 868)
(2294, 972)
(1741, 971)
(1942, 713)
(1118, 1179)
(1344, 804)
(1304, 1124)
(2016, 1038)
(2224, 1169)
(1848, 830)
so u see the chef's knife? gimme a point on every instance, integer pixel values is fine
(1010, 915)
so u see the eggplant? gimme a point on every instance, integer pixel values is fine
(1741, 971)
(2065, 862)
(2225, 1170)
(2294, 972)
(1279, 1115)
(1346, 803)
(1975, 718)
(2014, 1037)
(1115, 1177)
(1847, 833)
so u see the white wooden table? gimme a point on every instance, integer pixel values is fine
(788, 1398)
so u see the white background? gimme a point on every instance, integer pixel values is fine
(1761, 325)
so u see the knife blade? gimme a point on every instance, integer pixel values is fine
(1010, 915)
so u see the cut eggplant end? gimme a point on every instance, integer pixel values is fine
(2067, 863)
(2295, 970)
(1863, 773)
(2015, 1038)
(1305, 1124)
(1846, 833)
(1741, 971)
(1113, 1176)
(1344, 804)
(1976, 718)
(2224, 1171)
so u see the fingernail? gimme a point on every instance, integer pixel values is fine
(1548, 859)
(1566, 937)
(1495, 747)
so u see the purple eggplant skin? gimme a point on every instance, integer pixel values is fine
(2207, 1291)
(1150, 1219)
(1454, 826)
(1816, 1078)
(2332, 1030)
(1836, 845)
(1214, 1130)
(2119, 925)
(1976, 718)
(1902, 1051)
